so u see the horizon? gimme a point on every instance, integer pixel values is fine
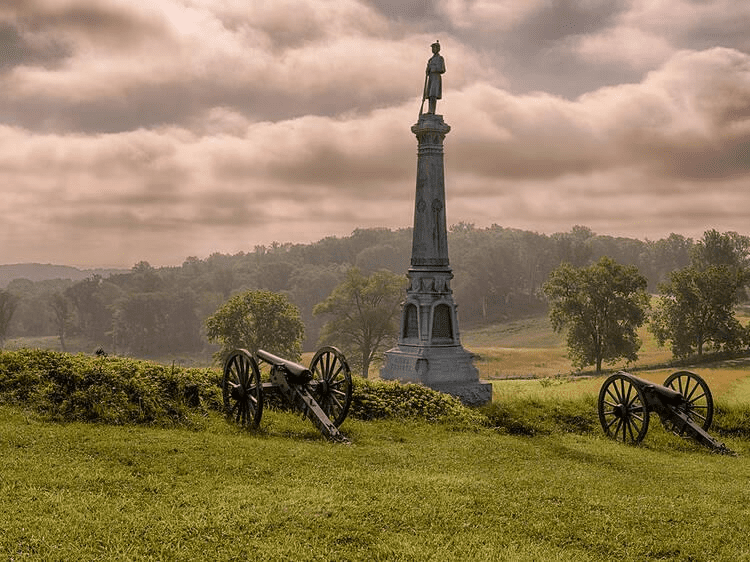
(153, 132)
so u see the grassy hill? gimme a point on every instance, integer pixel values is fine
(405, 490)
(536, 480)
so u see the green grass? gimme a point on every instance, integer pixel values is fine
(402, 491)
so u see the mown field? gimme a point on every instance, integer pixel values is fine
(535, 481)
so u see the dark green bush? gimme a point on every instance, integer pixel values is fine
(106, 389)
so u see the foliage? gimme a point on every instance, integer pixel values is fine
(696, 307)
(91, 299)
(499, 273)
(602, 306)
(716, 248)
(63, 311)
(106, 389)
(8, 304)
(257, 320)
(372, 400)
(364, 313)
(148, 323)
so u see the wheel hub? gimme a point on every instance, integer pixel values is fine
(620, 411)
(238, 393)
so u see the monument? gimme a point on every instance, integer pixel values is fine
(429, 349)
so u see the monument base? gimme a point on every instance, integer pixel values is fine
(448, 369)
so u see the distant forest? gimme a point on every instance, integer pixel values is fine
(149, 311)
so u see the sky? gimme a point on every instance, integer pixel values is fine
(161, 129)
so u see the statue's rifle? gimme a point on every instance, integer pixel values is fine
(424, 92)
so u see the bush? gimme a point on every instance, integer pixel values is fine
(373, 400)
(107, 389)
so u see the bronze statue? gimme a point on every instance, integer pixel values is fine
(433, 81)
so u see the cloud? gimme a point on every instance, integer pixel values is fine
(624, 45)
(157, 130)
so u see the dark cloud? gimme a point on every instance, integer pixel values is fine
(15, 50)
(105, 23)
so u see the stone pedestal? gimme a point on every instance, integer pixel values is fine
(429, 349)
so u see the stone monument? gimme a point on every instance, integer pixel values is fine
(429, 349)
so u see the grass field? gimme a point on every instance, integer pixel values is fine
(530, 348)
(404, 490)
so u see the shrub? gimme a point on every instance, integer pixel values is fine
(106, 389)
(373, 399)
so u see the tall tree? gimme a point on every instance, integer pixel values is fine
(602, 306)
(8, 304)
(257, 320)
(363, 314)
(63, 312)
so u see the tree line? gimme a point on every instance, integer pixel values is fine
(499, 274)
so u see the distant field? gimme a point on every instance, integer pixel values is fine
(530, 348)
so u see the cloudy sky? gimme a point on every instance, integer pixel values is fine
(159, 129)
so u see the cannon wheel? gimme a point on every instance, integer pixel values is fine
(242, 389)
(700, 403)
(332, 383)
(622, 410)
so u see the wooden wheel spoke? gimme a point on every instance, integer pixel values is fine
(242, 389)
(699, 402)
(622, 411)
(335, 396)
(689, 397)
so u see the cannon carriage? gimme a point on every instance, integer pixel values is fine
(684, 404)
(322, 392)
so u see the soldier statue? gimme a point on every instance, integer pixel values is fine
(433, 84)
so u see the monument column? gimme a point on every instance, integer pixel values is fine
(429, 349)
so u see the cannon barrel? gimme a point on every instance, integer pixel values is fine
(297, 372)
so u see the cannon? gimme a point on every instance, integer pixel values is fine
(323, 393)
(684, 405)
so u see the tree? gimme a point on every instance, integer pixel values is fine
(602, 305)
(257, 320)
(696, 308)
(716, 248)
(8, 304)
(160, 322)
(363, 312)
(697, 303)
(63, 312)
